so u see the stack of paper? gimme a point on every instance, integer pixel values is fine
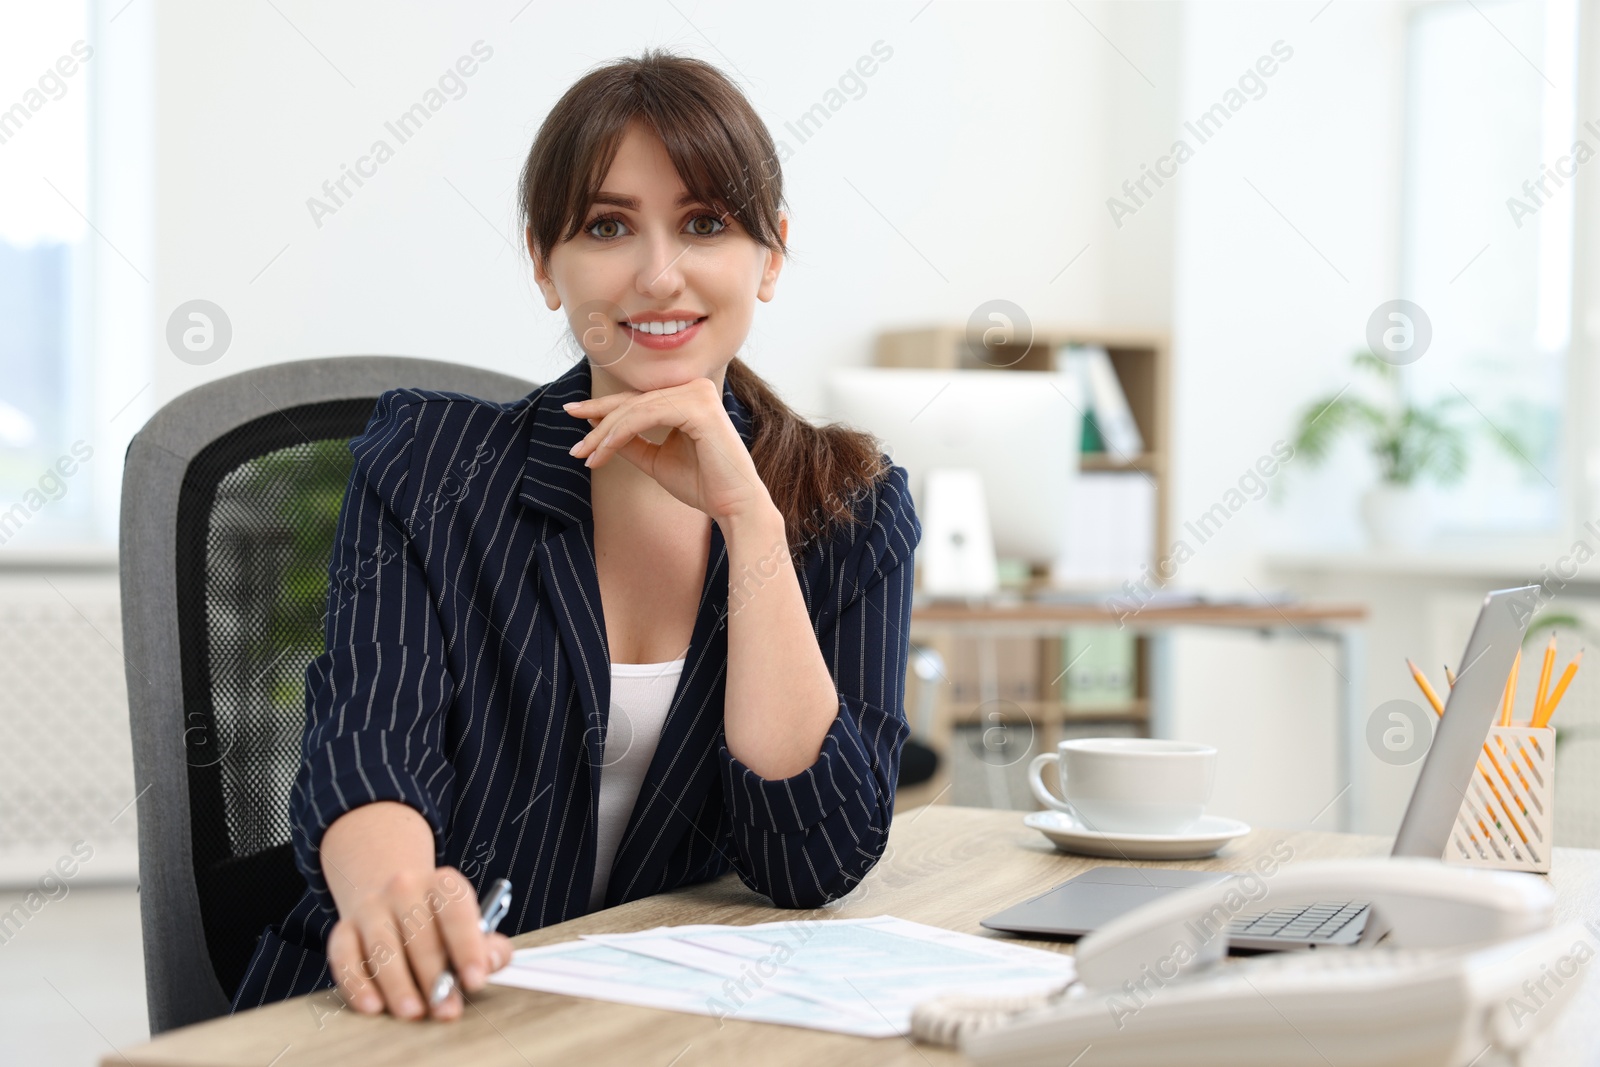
(852, 976)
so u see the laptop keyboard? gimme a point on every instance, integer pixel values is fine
(1312, 923)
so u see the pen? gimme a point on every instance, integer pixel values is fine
(492, 907)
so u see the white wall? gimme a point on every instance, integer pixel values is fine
(1261, 323)
(935, 170)
(124, 257)
(1144, 86)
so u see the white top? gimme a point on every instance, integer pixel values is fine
(640, 696)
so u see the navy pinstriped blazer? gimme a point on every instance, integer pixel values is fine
(467, 674)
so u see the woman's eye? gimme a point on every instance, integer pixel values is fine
(693, 223)
(604, 221)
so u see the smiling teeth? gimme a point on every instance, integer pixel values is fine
(662, 327)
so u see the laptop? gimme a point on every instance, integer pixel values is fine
(1097, 896)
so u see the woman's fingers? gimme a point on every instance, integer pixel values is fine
(632, 412)
(415, 905)
(598, 405)
(619, 426)
(595, 411)
(605, 432)
(641, 453)
(381, 945)
(460, 932)
(500, 950)
(344, 960)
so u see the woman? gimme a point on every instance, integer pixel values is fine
(641, 627)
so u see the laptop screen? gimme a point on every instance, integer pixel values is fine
(1469, 711)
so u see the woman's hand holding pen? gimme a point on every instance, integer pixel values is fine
(702, 461)
(401, 919)
(390, 948)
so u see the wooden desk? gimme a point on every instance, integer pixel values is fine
(988, 619)
(1028, 614)
(945, 866)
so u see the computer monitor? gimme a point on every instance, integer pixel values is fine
(1018, 431)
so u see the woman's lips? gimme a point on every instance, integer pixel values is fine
(664, 341)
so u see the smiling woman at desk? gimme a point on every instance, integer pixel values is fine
(535, 667)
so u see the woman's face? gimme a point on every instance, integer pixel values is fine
(643, 256)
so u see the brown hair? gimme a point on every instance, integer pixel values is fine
(725, 156)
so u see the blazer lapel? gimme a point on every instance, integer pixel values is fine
(557, 484)
(566, 563)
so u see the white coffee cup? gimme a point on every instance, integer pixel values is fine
(1137, 785)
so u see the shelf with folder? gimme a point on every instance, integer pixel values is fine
(1149, 462)
(1040, 711)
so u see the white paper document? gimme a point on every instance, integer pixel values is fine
(852, 976)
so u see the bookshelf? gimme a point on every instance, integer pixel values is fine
(1024, 675)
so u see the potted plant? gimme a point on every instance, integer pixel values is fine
(1412, 443)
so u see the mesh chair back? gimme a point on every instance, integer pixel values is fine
(255, 528)
(229, 509)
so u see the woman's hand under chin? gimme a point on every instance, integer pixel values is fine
(702, 461)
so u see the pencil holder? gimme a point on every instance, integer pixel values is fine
(1507, 818)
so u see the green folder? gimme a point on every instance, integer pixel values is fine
(1102, 661)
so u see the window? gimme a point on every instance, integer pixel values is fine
(45, 355)
(1486, 246)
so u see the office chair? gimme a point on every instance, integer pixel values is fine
(918, 760)
(229, 500)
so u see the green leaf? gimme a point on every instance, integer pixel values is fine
(1408, 441)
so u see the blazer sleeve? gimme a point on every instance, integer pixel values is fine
(808, 838)
(376, 698)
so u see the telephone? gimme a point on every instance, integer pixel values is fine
(1469, 971)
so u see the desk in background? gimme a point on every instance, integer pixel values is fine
(946, 866)
(986, 621)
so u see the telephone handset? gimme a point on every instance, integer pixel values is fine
(1469, 972)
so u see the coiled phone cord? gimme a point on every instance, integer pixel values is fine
(943, 1020)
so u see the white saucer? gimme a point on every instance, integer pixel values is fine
(1205, 839)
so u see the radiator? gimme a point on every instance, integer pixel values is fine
(67, 788)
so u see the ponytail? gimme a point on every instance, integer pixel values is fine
(816, 475)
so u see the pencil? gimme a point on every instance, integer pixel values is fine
(1511, 691)
(1544, 676)
(1496, 791)
(1450, 676)
(1427, 690)
(1438, 709)
(1542, 717)
(1511, 759)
